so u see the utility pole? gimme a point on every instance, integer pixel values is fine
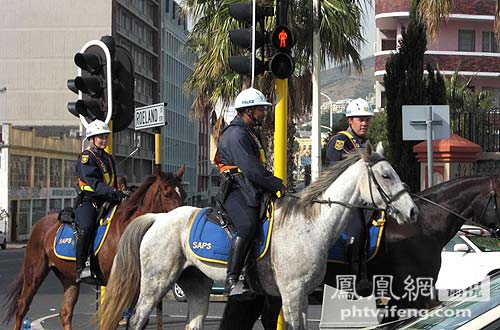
(315, 122)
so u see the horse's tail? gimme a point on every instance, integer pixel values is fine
(124, 282)
(13, 293)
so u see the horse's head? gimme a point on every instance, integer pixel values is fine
(485, 206)
(381, 186)
(162, 192)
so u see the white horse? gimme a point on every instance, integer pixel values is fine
(153, 255)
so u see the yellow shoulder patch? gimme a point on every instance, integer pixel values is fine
(339, 144)
(84, 159)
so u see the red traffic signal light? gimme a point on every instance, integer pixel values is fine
(282, 38)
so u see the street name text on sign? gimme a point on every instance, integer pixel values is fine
(150, 116)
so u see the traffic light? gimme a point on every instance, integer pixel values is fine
(242, 12)
(91, 83)
(282, 64)
(123, 89)
(105, 84)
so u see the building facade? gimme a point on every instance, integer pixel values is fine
(36, 60)
(466, 42)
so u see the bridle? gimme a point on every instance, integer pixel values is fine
(159, 197)
(492, 199)
(388, 200)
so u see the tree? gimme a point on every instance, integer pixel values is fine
(405, 84)
(213, 81)
(433, 13)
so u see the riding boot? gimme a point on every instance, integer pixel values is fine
(364, 287)
(235, 264)
(82, 252)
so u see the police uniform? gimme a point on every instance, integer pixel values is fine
(342, 143)
(240, 151)
(241, 155)
(95, 170)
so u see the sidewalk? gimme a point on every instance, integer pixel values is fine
(16, 245)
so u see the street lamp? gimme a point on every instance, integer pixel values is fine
(331, 105)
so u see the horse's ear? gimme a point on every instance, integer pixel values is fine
(380, 149)
(180, 171)
(368, 149)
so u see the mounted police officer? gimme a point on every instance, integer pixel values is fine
(241, 159)
(359, 114)
(96, 174)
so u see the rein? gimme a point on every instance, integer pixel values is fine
(371, 176)
(491, 199)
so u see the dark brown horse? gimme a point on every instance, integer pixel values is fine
(412, 249)
(159, 193)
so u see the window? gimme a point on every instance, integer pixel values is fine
(40, 176)
(174, 10)
(388, 39)
(20, 171)
(55, 173)
(39, 209)
(24, 214)
(167, 5)
(466, 40)
(55, 205)
(69, 173)
(490, 44)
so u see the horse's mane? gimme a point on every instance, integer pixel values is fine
(305, 203)
(136, 199)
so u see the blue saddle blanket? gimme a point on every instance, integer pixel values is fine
(209, 242)
(65, 241)
(337, 253)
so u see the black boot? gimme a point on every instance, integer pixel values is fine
(364, 287)
(235, 264)
(82, 252)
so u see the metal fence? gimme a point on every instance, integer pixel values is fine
(482, 128)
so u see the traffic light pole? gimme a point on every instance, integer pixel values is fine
(157, 131)
(280, 146)
(280, 130)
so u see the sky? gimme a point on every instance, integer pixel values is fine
(368, 25)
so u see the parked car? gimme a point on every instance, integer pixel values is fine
(3, 240)
(217, 288)
(463, 311)
(468, 258)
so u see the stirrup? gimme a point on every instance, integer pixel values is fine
(86, 276)
(241, 291)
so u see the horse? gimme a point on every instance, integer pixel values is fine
(152, 255)
(161, 192)
(413, 250)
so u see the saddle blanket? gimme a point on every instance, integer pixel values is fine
(209, 242)
(65, 241)
(337, 253)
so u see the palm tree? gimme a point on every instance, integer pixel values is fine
(212, 78)
(434, 12)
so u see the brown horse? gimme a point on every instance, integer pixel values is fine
(158, 194)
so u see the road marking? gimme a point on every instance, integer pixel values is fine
(37, 324)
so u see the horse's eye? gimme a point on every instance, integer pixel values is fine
(385, 176)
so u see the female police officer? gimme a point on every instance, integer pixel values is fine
(95, 170)
(241, 154)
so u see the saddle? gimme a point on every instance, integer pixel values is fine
(65, 239)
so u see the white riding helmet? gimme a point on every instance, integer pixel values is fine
(358, 108)
(97, 127)
(250, 97)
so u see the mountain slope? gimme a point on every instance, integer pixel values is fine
(341, 84)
